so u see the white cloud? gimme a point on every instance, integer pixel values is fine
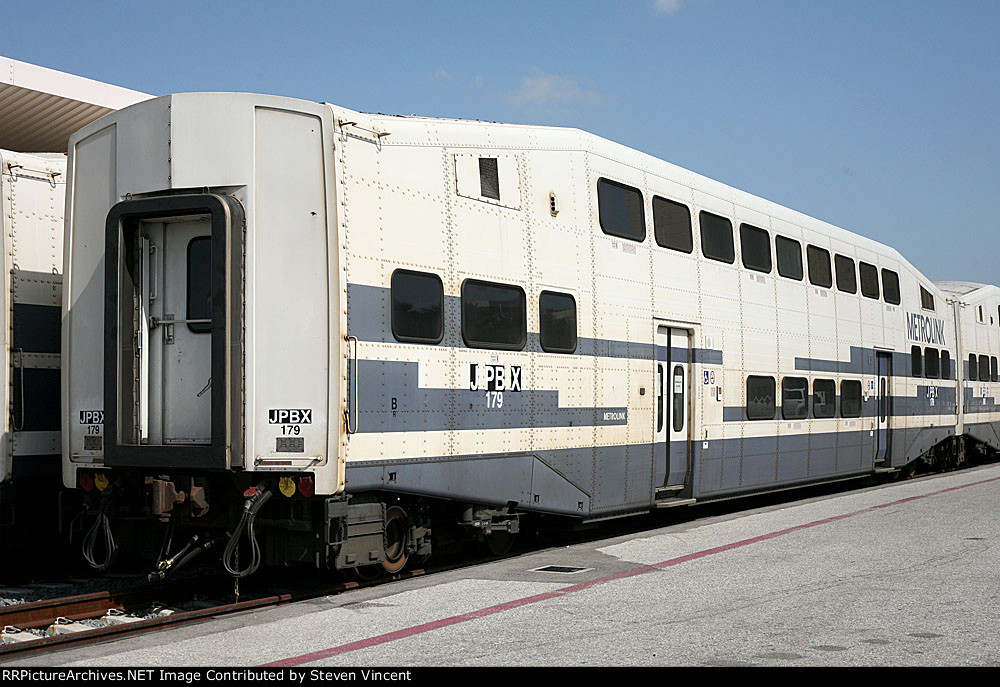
(539, 90)
(442, 75)
(667, 6)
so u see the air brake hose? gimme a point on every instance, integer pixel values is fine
(101, 527)
(255, 497)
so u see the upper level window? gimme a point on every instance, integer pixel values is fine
(926, 299)
(847, 278)
(493, 315)
(869, 280)
(819, 266)
(621, 210)
(557, 322)
(417, 307)
(890, 286)
(755, 245)
(672, 225)
(199, 284)
(717, 237)
(789, 254)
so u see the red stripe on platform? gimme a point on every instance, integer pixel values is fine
(640, 570)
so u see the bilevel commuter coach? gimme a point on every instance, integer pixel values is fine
(32, 193)
(328, 334)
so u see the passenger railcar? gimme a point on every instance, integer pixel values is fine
(32, 190)
(349, 329)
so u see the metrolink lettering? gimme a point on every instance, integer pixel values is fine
(494, 377)
(925, 329)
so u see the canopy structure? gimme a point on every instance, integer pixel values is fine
(40, 107)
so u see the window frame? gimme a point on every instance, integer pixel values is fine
(541, 327)
(642, 210)
(846, 398)
(657, 233)
(932, 371)
(471, 343)
(916, 361)
(832, 403)
(774, 397)
(816, 250)
(892, 296)
(805, 397)
(777, 258)
(392, 307)
(197, 327)
(874, 295)
(751, 230)
(701, 231)
(838, 260)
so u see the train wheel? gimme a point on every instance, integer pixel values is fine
(397, 527)
(498, 543)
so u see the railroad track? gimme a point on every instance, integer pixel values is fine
(123, 613)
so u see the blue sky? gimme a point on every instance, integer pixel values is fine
(880, 116)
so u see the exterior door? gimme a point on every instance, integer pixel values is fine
(883, 406)
(175, 340)
(672, 380)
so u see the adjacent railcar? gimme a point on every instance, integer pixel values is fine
(32, 190)
(325, 333)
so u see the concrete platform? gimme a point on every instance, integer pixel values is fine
(903, 574)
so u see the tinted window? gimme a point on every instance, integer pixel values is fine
(945, 365)
(717, 237)
(755, 245)
(847, 279)
(417, 307)
(869, 280)
(850, 398)
(199, 284)
(493, 315)
(794, 398)
(489, 178)
(984, 368)
(932, 363)
(993, 368)
(760, 398)
(926, 299)
(824, 398)
(621, 211)
(789, 254)
(973, 368)
(672, 225)
(557, 322)
(890, 286)
(679, 387)
(916, 362)
(819, 267)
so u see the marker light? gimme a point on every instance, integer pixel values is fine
(306, 486)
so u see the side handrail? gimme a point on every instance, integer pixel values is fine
(352, 414)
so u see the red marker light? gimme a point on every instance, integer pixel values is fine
(85, 480)
(306, 486)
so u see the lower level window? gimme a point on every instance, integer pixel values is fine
(794, 398)
(760, 398)
(493, 315)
